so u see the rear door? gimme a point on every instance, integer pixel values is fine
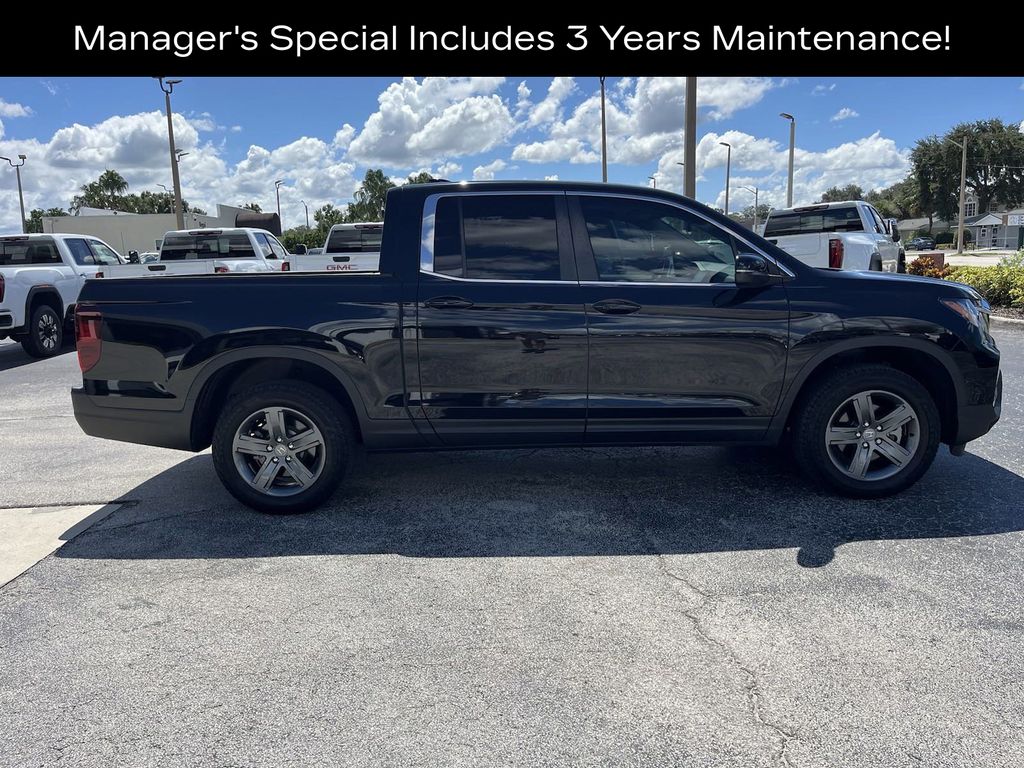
(678, 353)
(502, 337)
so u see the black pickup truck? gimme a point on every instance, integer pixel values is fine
(540, 314)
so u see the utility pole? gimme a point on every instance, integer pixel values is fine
(21, 196)
(168, 88)
(682, 166)
(963, 193)
(604, 138)
(792, 152)
(690, 140)
(728, 172)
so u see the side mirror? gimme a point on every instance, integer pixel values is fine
(752, 271)
(133, 257)
(300, 249)
(892, 227)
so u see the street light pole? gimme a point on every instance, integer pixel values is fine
(792, 151)
(963, 193)
(168, 88)
(683, 166)
(604, 138)
(21, 196)
(690, 140)
(728, 172)
(754, 190)
(307, 212)
(654, 181)
(277, 190)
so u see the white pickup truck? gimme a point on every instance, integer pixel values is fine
(210, 251)
(40, 279)
(849, 235)
(348, 248)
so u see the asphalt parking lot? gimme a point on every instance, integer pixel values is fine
(697, 607)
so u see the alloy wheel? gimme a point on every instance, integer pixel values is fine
(873, 435)
(279, 451)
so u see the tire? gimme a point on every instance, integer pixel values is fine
(45, 333)
(827, 413)
(305, 410)
(875, 264)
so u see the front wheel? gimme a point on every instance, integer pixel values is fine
(867, 431)
(282, 447)
(45, 333)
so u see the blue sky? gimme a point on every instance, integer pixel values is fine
(321, 134)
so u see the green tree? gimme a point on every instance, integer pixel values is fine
(369, 198)
(311, 238)
(899, 201)
(34, 222)
(995, 156)
(420, 178)
(326, 216)
(255, 207)
(840, 194)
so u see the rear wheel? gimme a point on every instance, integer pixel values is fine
(867, 431)
(45, 333)
(282, 447)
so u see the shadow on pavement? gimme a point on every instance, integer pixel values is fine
(13, 356)
(554, 503)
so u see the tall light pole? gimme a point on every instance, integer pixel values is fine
(21, 196)
(307, 212)
(167, 86)
(277, 190)
(654, 181)
(728, 172)
(165, 189)
(690, 140)
(792, 150)
(683, 166)
(604, 138)
(754, 190)
(963, 192)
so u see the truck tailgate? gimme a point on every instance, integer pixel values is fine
(160, 268)
(811, 249)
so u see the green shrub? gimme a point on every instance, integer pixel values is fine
(944, 238)
(925, 266)
(1002, 285)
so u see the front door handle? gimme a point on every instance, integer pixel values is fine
(616, 306)
(448, 302)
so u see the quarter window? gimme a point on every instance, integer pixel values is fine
(277, 248)
(647, 242)
(506, 237)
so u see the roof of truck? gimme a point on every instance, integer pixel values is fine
(527, 186)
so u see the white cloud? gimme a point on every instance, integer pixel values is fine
(550, 109)
(203, 121)
(343, 136)
(821, 90)
(1, 129)
(555, 151)
(418, 121)
(13, 109)
(236, 129)
(552, 177)
(51, 87)
(523, 102)
(844, 114)
(486, 172)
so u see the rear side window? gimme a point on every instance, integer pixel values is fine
(507, 237)
(202, 246)
(363, 238)
(805, 221)
(24, 253)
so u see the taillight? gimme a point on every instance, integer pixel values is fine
(220, 270)
(286, 266)
(87, 338)
(98, 274)
(835, 253)
(2, 287)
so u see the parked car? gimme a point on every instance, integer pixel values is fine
(214, 251)
(847, 235)
(348, 248)
(541, 314)
(40, 278)
(921, 244)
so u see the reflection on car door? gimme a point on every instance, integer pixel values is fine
(677, 352)
(502, 338)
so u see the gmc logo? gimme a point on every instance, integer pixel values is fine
(338, 267)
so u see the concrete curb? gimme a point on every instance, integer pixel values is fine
(1011, 320)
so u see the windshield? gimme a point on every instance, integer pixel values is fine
(807, 221)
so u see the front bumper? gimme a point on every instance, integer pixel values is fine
(166, 429)
(973, 421)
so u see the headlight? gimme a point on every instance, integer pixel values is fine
(974, 312)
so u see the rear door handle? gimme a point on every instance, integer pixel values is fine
(616, 306)
(448, 302)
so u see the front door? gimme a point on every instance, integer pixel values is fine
(677, 352)
(502, 341)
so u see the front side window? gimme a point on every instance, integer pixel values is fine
(497, 237)
(639, 241)
(104, 254)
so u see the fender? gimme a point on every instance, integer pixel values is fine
(273, 352)
(46, 289)
(782, 413)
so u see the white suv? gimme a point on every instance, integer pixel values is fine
(40, 279)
